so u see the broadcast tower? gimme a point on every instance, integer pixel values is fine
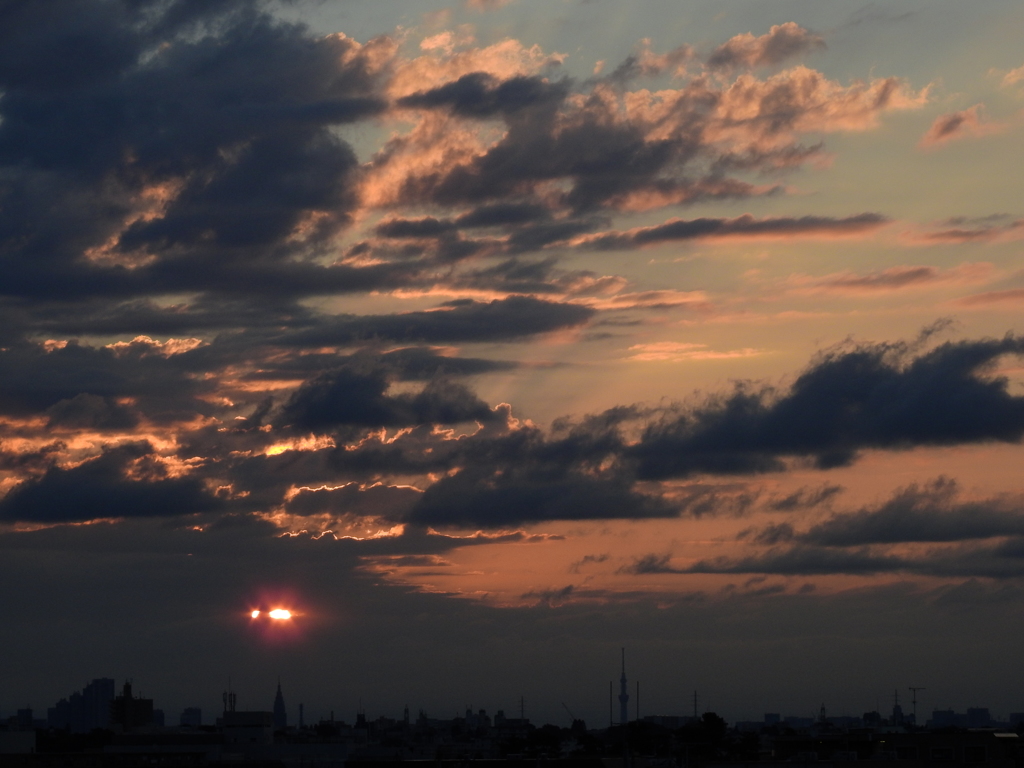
(623, 696)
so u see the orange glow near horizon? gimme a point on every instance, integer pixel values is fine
(275, 615)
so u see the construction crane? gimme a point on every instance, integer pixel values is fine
(571, 715)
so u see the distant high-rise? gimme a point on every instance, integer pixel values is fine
(280, 713)
(129, 712)
(85, 710)
(623, 695)
(897, 710)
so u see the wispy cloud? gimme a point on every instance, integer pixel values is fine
(967, 123)
(745, 227)
(673, 351)
(891, 279)
(968, 229)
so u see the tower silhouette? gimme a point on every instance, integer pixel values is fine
(623, 694)
(280, 713)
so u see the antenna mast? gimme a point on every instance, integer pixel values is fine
(623, 693)
(913, 699)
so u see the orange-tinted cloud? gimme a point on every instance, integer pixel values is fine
(1010, 296)
(660, 299)
(889, 280)
(487, 5)
(998, 227)
(672, 351)
(783, 41)
(745, 227)
(1014, 76)
(967, 123)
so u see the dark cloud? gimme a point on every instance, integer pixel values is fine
(929, 513)
(650, 563)
(147, 317)
(526, 276)
(504, 474)
(775, 533)
(1001, 561)
(206, 125)
(536, 236)
(463, 320)
(515, 496)
(588, 559)
(603, 159)
(610, 154)
(90, 412)
(872, 540)
(850, 399)
(419, 363)
(427, 227)
(503, 214)
(742, 226)
(375, 501)
(31, 460)
(125, 481)
(358, 396)
(481, 95)
(34, 378)
(888, 396)
(255, 201)
(551, 598)
(710, 499)
(806, 498)
(405, 364)
(803, 560)
(522, 476)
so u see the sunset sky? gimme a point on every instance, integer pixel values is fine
(489, 337)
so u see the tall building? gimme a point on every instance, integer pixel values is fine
(84, 710)
(897, 711)
(623, 695)
(129, 712)
(280, 713)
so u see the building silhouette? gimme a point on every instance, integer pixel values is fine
(191, 717)
(280, 712)
(85, 710)
(248, 729)
(129, 712)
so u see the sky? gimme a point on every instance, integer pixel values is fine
(491, 337)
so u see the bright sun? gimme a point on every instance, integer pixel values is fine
(277, 614)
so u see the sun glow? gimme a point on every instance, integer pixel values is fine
(275, 614)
